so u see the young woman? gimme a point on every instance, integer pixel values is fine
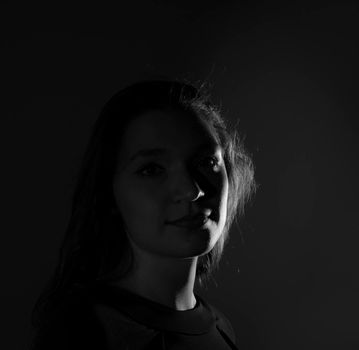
(161, 183)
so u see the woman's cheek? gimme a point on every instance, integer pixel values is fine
(138, 207)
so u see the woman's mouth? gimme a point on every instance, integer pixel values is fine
(191, 223)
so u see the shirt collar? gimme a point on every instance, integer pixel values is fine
(198, 320)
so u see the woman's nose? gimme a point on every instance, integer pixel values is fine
(187, 189)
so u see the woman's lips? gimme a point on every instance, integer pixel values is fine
(191, 223)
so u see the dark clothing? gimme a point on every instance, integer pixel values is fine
(109, 318)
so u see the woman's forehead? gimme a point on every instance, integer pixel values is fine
(167, 129)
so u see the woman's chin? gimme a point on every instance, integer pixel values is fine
(192, 242)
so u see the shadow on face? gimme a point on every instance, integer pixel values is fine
(169, 166)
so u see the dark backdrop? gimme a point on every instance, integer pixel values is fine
(288, 73)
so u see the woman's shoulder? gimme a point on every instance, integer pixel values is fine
(71, 324)
(88, 318)
(84, 321)
(222, 322)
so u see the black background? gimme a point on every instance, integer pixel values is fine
(287, 72)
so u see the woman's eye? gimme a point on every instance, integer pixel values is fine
(213, 162)
(151, 169)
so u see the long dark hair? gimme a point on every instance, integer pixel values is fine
(95, 244)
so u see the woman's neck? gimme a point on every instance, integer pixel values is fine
(165, 280)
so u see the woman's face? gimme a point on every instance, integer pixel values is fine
(170, 166)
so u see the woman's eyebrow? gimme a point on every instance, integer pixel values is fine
(150, 152)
